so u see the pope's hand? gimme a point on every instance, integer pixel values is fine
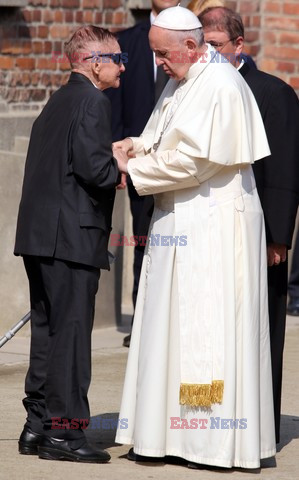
(125, 145)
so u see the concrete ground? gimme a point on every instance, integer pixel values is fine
(109, 361)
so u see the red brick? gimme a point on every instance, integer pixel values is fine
(253, 49)
(98, 17)
(46, 79)
(59, 31)
(64, 66)
(57, 47)
(27, 15)
(246, 20)
(58, 16)
(38, 95)
(35, 78)
(55, 3)
(268, 65)
(11, 46)
(48, 16)
(37, 47)
(47, 47)
(112, 3)
(79, 17)
(36, 15)
(43, 31)
(252, 35)
(118, 18)
(56, 79)
(269, 37)
(108, 17)
(291, 38)
(272, 7)
(69, 16)
(26, 47)
(91, 3)
(294, 82)
(281, 23)
(46, 64)
(291, 8)
(286, 67)
(285, 53)
(255, 21)
(70, 3)
(87, 16)
(32, 32)
(26, 79)
(249, 7)
(25, 63)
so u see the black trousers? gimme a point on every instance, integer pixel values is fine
(142, 210)
(62, 297)
(277, 292)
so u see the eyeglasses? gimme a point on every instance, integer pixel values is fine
(221, 45)
(115, 57)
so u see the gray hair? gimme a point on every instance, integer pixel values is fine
(196, 35)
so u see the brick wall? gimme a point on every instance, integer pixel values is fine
(272, 36)
(29, 37)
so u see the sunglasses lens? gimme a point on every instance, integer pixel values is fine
(116, 58)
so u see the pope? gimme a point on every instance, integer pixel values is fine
(200, 342)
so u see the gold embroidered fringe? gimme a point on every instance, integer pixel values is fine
(201, 395)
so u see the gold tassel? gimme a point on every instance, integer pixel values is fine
(201, 395)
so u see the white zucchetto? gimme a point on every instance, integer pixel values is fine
(177, 18)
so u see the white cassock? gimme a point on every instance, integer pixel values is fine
(201, 312)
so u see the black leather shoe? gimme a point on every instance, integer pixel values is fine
(52, 448)
(134, 457)
(127, 341)
(293, 306)
(29, 441)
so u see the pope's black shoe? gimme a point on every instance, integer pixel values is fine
(293, 306)
(29, 441)
(134, 457)
(52, 448)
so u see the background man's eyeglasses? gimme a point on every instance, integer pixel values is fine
(220, 44)
(115, 57)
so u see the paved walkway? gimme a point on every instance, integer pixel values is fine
(109, 361)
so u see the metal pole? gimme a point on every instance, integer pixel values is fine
(14, 329)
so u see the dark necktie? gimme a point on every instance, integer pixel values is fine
(161, 80)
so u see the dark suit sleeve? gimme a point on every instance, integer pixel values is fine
(281, 169)
(92, 158)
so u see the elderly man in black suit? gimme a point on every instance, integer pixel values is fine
(132, 105)
(276, 176)
(63, 230)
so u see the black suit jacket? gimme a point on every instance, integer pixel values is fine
(70, 178)
(277, 176)
(133, 102)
